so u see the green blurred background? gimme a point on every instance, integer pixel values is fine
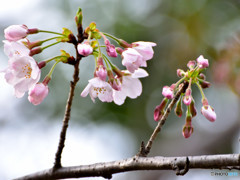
(182, 29)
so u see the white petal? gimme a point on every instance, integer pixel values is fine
(119, 97)
(139, 73)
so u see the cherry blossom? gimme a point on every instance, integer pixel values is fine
(132, 60)
(23, 73)
(202, 63)
(98, 88)
(12, 48)
(15, 32)
(37, 93)
(167, 92)
(209, 113)
(110, 48)
(145, 49)
(84, 49)
(131, 86)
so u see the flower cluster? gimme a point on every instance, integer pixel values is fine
(109, 82)
(125, 83)
(193, 75)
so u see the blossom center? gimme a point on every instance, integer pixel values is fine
(27, 70)
(99, 90)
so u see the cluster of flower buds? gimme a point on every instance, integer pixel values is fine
(109, 82)
(193, 75)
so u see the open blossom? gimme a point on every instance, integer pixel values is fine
(209, 113)
(132, 60)
(23, 73)
(145, 49)
(167, 92)
(37, 93)
(12, 48)
(131, 86)
(98, 88)
(84, 49)
(202, 63)
(15, 32)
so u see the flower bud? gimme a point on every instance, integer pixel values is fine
(187, 99)
(180, 73)
(193, 109)
(202, 76)
(15, 32)
(37, 93)
(209, 113)
(167, 92)
(191, 64)
(202, 63)
(78, 18)
(159, 110)
(187, 130)
(110, 48)
(101, 72)
(84, 49)
(178, 109)
(204, 84)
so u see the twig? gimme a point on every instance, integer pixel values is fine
(106, 170)
(144, 150)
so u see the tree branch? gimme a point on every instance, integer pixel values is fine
(226, 161)
(144, 150)
(57, 163)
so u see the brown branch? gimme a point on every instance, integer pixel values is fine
(106, 170)
(144, 150)
(57, 163)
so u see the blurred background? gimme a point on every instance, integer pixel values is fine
(182, 29)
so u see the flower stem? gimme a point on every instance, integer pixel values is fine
(200, 89)
(111, 36)
(45, 47)
(144, 150)
(51, 32)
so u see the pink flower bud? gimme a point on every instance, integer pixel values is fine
(101, 72)
(202, 63)
(187, 99)
(110, 48)
(180, 73)
(15, 32)
(37, 93)
(209, 113)
(84, 49)
(187, 130)
(191, 64)
(159, 110)
(167, 92)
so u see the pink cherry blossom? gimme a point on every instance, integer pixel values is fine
(101, 72)
(37, 93)
(23, 73)
(167, 92)
(18, 48)
(98, 88)
(202, 63)
(209, 113)
(132, 60)
(84, 49)
(15, 32)
(131, 86)
(145, 49)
